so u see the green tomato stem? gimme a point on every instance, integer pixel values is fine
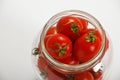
(61, 50)
(74, 28)
(91, 37)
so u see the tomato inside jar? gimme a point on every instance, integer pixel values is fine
(72, 46)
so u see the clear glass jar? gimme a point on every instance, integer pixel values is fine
(47, 68)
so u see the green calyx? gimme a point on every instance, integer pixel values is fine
(91, 37)
(61, 50)
(74, 28)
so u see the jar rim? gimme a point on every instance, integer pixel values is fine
(67, 67)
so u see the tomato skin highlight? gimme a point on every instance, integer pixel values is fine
(70, 26)
(84, 50)
(84, 23)
(59, 46)
(84, 76)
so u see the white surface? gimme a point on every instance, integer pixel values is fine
(21, 19)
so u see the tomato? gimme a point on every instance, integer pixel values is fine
(70, 26)
(51, 30)
(59, 46)
(84, 76)
(49, 33)
(48, 71)
(97, 75)
(42, 64)
(70, 60)
(87, 46)
(54, 75)
(84, 23)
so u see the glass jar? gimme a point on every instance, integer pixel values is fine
(47, 68)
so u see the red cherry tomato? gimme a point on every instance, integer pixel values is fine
(59, 46)
(97, 75)
(87, 46)
(54, 75)
(51, 30)
(70, 60)
(70, 26)
(84, 76)
(42, 64)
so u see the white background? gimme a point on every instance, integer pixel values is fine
(20, 20)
